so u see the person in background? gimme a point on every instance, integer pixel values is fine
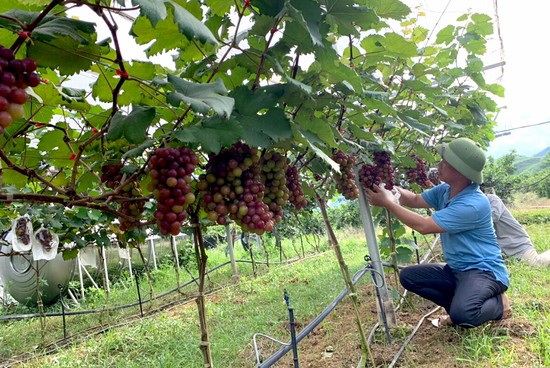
(471, 285)
(512, 237)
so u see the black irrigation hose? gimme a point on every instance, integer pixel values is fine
(303, 333)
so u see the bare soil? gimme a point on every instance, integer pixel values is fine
(335, 343)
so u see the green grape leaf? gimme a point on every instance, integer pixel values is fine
(273, 123)
(394, 9)
(133, 126)
(13, 178)
(399, 46)
(219, 7)
(138, 151)
(86, 182)
(446, 35)
(416, 125)
(345, 15)
(201, 96)
(307, 14)
(211, 134)
(319, 127)
(323, 156)
(51, 27)
(65, 54)
(53, 145)
(189, 25)
(272, 8)
(29, 5)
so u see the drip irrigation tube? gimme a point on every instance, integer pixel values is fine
(303, 333)
(409, 338)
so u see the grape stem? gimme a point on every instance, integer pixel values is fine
(30, 27)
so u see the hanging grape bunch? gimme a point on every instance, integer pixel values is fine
(231, 188)
(273, 177)
(382, 161)
(224, 181)
(112, 176)
(296, 195)
(345, 180)
(368, 176)
(171, 171)
(15, 76)
(418, 173)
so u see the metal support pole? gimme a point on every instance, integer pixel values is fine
(374, 253)
(81, 278)
(231, 250)
(105, 269)
(129, 259)
(293, 341)
(152, 253)
(380, 305)
(175, 252)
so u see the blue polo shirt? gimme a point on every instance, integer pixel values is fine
(469, 240)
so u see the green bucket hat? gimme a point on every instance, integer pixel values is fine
(465, 156)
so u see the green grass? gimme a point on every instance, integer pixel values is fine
(255, 304)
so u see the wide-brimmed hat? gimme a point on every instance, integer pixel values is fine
(465, 156)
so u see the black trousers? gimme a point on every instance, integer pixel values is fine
(471, 297)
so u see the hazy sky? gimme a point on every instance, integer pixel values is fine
(524, 27)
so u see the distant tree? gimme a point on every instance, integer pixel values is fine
(538, 182)
(500, 175)
(344, 214)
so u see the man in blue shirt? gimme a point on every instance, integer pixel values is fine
(471, 285)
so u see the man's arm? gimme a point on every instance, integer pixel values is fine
(410, 199)
(383, 198)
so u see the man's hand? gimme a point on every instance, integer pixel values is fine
(379, 196)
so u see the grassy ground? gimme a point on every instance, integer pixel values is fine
(237, 311)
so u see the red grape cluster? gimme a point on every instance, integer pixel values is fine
(111, 175)
(296, 195)
(382, 160)
(345, 180)
(133, 207)
(418, 173)
(171, 171)
(15, 76)
(368, 176)
(231, 187)
(273, 177)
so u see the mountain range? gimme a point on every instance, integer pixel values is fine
(532, 164)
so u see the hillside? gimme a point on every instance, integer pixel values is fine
(543, 153)
(524, 164)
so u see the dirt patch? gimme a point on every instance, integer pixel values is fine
(335, 343)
